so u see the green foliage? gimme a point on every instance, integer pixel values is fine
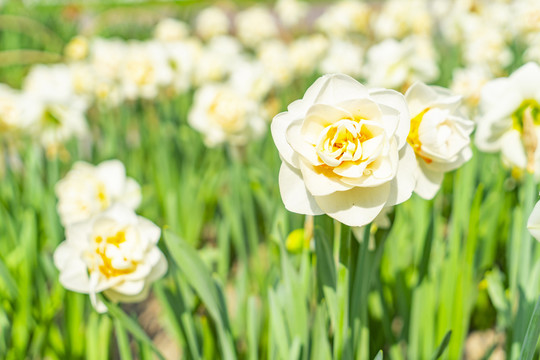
(233, 291)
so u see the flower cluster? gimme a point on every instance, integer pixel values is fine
(108, 248)
(250, 55)
(350, 151)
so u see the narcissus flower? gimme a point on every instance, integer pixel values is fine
(439, 135)
(114, 253)
(509, 119)
(224, 114)
(87, 190)
(344, 151)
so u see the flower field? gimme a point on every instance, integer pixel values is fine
(270, 180)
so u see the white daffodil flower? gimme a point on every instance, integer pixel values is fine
(344, 150)
(223, 114)
(439, 135)
(115, 253)
(211, 22)
(506, 106)
(255, 25)
(87, 190)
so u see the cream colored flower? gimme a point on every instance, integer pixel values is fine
(211, 22)
(224, 114)
(439, 135)
(77, 48)
(393, 64)
(506, 106)
(114, 253)
(217, 60)
(255, 25)
(14, 111)
(275, 58)
(305, 53)
(344, 18)
(87, 190)
(398, 19)
(468, 82)
(291, 12)
(336, 62)
(344, 151)
(145, 70)
(171, 30)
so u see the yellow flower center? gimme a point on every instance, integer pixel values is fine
(102, 196)
(227, 111)
(414, 138)
(517, 116)
(342, 141)
(109, 256)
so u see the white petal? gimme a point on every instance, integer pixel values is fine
(512, 149)
(527, 79)
(404, 182)
(318, 117)
(300, 145)
(418, 97)
(113, 175)
(148, 230)
(158, 270)
(355, 207)
(279, 126)
(121, 214)
(115, 296)
(132, 194)
(294, 193)
(362, 108)
(321, 183)
(428, 181)
(338, 88)
(396, 101)
(74, 275)
(130, 288)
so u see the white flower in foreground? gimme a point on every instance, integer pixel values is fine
(344, 150)
(87, 190)
(115, 253)
(506, 106)
(223, 114)
(439, 135)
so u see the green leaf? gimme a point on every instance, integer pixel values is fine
(132, 326)
(189, 262)
(442, 346)
(326, 267)
(531, 337)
